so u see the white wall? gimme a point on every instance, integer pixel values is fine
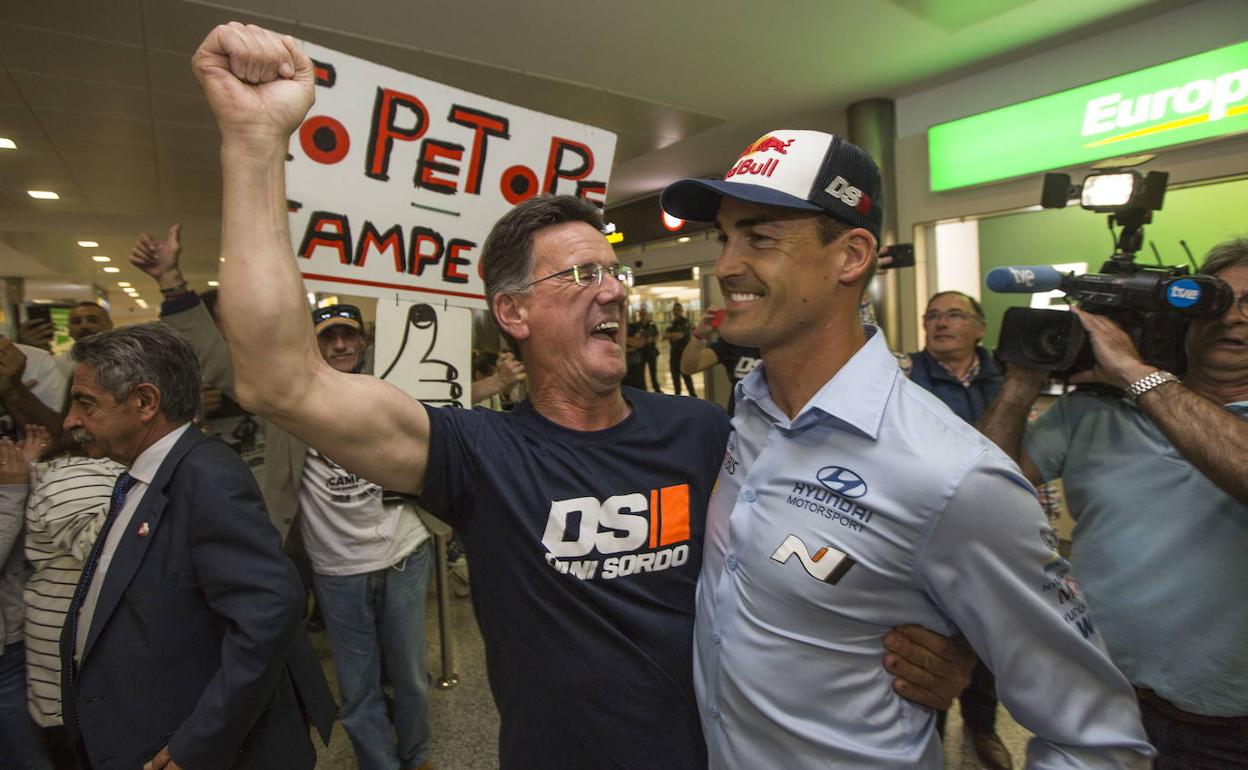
(957, 264)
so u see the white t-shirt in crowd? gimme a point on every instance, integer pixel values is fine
(347, 528)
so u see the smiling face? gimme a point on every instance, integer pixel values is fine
(1219, 346)
(342, 347)
(571, 336)
(782, 284)
(952, 338)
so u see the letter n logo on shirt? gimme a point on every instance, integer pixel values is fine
(669, 515)
(828, 564)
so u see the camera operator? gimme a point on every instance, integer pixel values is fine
(1158, 485)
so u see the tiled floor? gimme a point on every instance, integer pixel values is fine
(465, 724)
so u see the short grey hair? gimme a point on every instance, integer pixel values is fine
(507, 256)
(126, 358)
(1232, 253)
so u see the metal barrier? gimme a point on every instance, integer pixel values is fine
(441, 573)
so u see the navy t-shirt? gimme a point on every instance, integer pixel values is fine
(738, 361)
(585, 550)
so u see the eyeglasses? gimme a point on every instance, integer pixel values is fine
(591, 273)
(1242, 303)
(954, 316)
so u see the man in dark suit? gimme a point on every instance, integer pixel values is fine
(182, 647)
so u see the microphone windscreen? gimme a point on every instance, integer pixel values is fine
(1023, 280)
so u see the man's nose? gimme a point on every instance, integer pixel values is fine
(728, 263)
(611, 289)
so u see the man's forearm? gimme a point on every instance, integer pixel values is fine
(264, 314)
(1005, 420)
(26, 409)
(690, 358)
(486, 388)
(1210, 437)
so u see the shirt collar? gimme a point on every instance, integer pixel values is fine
(855, 396)
(149, 460)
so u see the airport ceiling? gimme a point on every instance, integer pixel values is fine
(100, 99)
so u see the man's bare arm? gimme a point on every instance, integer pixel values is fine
(1210, 437)
(507, 374)
(697, 357)
(15, 393)
(1005, 420)
(260, 86)
(1205, 433)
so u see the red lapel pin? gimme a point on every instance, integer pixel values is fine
(144, 529)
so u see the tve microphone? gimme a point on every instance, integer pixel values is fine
(1024, 280)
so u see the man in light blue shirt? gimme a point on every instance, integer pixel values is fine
(850, 500)
(1158, 485)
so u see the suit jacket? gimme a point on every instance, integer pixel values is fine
(196, 641)
(284, 453)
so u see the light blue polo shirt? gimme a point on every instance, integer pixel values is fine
(1161, 552)
(875, 507)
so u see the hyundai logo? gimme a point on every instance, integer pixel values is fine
(842, 481)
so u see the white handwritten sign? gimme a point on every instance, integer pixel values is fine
(425, 350)
(394, 181)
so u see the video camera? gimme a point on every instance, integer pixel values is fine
(1153, 304)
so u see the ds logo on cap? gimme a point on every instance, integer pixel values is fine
(845, 192)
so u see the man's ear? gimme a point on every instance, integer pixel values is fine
(859, 256)
(146, 397)
(512, 316)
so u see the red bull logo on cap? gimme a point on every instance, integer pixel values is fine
(748, 166)
(768, 144)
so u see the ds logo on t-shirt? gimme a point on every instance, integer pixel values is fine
(651, 533)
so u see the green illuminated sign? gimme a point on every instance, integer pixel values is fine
(1182, 101)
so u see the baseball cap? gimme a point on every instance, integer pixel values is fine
(337, 315)
(792, 169)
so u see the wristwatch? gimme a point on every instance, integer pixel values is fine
(1148, 382)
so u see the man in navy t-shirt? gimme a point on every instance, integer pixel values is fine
(582, 510)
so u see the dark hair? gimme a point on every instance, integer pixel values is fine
(1232, 253)
(484, 362)
(979, 311)
(507, 256)
(125, 358)
(830, 229)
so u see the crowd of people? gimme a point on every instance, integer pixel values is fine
(808, 583)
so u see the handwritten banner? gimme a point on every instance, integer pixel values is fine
(394, 181)
(425, 350)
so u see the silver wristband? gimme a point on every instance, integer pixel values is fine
(1147, 383)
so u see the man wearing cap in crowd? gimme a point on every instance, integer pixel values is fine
(582, 508)
(851, 499)
(371, 556)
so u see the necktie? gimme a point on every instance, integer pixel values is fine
(118, 499)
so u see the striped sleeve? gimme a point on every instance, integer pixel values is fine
(68, 505)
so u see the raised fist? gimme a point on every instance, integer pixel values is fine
(259, 84)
